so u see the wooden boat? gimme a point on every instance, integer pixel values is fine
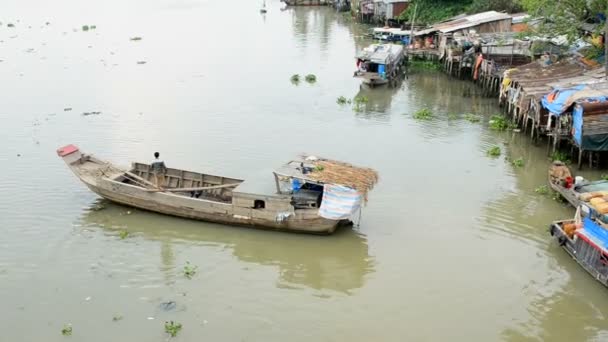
(379, 64)
(278, 205)
(578, 194)
(588, 245)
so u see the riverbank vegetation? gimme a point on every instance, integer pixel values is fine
(432, 11)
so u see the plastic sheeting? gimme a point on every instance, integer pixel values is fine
(594, 234)
(339, 202)
(559, 100)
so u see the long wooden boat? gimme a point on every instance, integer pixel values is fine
(587, 244)
(277, 205)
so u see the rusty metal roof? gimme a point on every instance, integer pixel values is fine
(466, 22)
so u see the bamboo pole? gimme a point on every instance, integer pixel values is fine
(194, 189)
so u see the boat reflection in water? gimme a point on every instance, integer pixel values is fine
(338, 263)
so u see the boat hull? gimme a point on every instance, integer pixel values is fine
(574, 249)
(110, 183)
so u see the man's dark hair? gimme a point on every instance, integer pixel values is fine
(156, 154)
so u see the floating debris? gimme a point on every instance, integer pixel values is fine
(88, 298)
(117, 318)
(67, 109)
(18, 154)
(172, 328)
(141, 62)
(295, 79)
(10, 25)
(85, 27)
(123, 234)
(136, 38)
(168, 306)
(93, 27)
(91, 113)
(67, 330)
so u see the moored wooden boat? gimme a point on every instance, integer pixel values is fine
(279, 205)
(379, 64)
(586, 241)
(581, 193)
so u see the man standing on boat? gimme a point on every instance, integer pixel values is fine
(159, 170)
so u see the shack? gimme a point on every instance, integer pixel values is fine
(590, 126)
(389, 9)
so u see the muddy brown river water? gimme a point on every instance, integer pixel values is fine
(453, 245)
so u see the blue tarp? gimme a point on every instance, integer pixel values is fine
(557, 101)
(595, 233)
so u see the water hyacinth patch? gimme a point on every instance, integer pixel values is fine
(499, 123)
(519, 162)
(494, 151)
(295, 79)
(342, 100)
(67, 330)
(473, 118)
(189, 270)
(310, 78)
(423, 114)
(172, 328)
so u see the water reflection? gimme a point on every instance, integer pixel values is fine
(379, 100)
(339, 262)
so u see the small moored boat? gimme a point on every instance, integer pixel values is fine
(379, 64)
(586, 240)
(310, 195)
(591, 196)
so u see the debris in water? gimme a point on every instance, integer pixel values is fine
(10, 25)
(67, 109)
(117, 318)
(88, 298)
(123, 234)
(295, 79)
(93, 27)
(136, 38)
(85, 27)
(150, 318)
(341, 100)
(91, 113)
(168, 306)
(141, 62)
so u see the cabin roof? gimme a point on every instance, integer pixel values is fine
(380, 53)
(327, 171)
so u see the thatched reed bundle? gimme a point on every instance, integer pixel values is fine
(335, 172)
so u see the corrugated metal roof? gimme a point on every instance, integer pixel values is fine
(466, 22)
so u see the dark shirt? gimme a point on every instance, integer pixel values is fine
(158, 166)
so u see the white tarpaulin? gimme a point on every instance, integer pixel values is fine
(339, 202)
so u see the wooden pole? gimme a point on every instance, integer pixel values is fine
(194, 189)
